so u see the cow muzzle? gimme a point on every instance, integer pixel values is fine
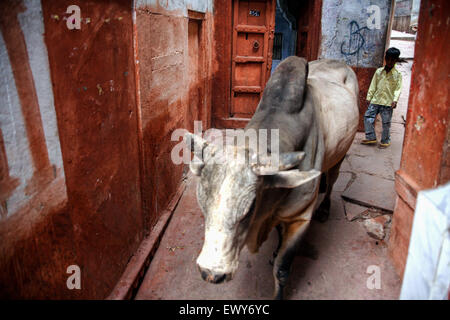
(213, 277)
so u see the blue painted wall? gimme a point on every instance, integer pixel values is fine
(284, 26)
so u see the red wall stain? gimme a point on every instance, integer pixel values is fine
(364, 76)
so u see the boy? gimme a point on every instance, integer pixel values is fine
(382, 98)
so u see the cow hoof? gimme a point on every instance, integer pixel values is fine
(278, 297)
(279, 293)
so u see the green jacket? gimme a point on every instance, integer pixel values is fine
(385, 87)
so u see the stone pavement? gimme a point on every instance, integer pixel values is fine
(367, 171)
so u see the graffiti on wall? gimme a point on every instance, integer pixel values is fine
(355, 32)
(355, 40)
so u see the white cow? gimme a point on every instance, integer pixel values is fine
(317, 117)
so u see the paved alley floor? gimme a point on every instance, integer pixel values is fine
(335, 255)
(369, 170)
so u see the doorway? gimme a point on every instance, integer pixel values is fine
(255, 36)
(196, 107)
(297, 30)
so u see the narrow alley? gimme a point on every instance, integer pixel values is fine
(104, 106)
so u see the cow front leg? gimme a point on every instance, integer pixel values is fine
(280, 241)
(323, 212)
(292, 235)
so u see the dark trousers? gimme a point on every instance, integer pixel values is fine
(369, 122)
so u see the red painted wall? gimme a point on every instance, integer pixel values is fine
(120, 88)
(100, 225)
(364, 76)
(98, 126)
(174, 90)
(425, 158)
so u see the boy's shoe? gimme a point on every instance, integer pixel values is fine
(366, 141)
(384, 145)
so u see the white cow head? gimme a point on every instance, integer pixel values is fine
(227, 191)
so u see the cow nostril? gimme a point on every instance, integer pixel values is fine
(219, 278)
(209, 276)
(205, 275)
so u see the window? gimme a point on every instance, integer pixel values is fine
(277, 46)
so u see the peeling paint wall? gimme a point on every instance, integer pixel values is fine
(347, 35)
(69, 156)
(21, 128)
(177, 6)
(174, 45)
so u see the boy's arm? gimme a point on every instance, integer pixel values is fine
(397, 91)
(373, 87)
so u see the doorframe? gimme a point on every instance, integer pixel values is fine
(204, 112)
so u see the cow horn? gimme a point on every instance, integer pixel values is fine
(270, 165)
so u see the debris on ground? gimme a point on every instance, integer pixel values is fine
(375, 221)
(376, 227)
(357, 212)
(174, 248)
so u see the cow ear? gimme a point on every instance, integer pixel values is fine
(196, 144)
(291, 178)
(266, 165)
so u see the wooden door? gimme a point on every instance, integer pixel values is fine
(253, 31)
(309, 26)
